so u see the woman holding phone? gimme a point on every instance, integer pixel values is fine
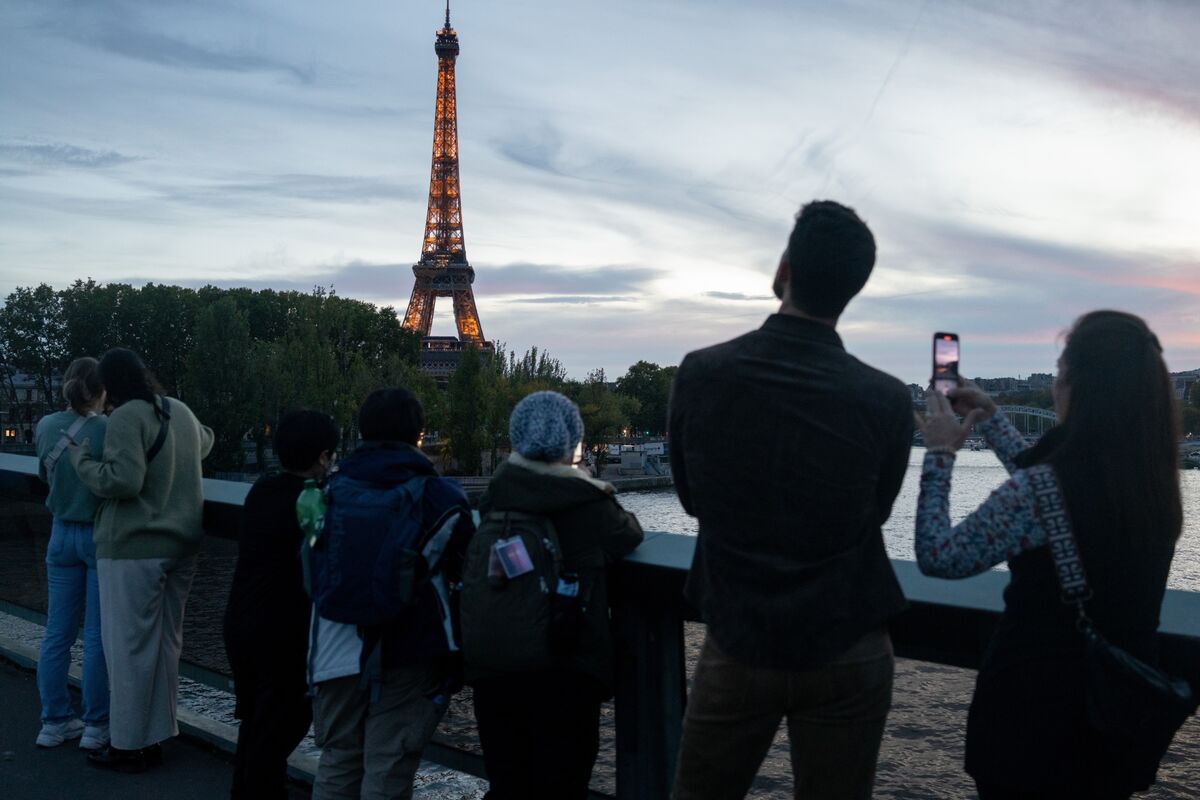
(71, 581)
(1112, 464)
(147, 535)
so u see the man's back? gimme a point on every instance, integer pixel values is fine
(790, 452)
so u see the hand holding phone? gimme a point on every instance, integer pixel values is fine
(945, 362)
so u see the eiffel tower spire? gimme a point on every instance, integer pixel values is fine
(443, 270)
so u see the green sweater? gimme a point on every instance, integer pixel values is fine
(69, 500)
(154, 511)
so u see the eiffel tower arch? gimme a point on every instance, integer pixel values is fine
(443, 269)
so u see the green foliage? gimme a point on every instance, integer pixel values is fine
(33, 333)
(650, 385)
(220, 381)
(605, 412)
(468, 410)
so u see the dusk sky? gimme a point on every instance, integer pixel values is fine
(630, 170)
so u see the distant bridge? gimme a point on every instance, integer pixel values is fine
(1046, 418)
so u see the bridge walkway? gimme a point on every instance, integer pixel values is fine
(28, 772)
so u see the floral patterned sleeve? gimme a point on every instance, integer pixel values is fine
(1004, 526)
(1003, 438)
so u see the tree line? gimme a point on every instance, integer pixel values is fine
(241, 358)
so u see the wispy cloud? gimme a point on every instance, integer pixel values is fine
(548, 279)
(738, 296)
(572, 300)
(59, 154)
(119, 28)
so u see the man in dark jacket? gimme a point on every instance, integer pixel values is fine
(540, 730)
(790, 571)
(266, 620)
(372, 728)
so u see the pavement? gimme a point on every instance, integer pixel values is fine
(29, 772)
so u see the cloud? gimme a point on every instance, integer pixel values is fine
(58, 154)
(545, 279)
(350, 189)
(738, 296)
(119, 30)
(580, 300)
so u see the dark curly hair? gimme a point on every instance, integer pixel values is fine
(126, 378)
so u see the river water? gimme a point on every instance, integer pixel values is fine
(976, 474)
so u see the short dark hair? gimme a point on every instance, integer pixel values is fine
(391, 415)
(126, 378)
(830, 255)
(81, 383)
(301, 436)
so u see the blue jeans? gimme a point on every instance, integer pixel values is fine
(71, 575)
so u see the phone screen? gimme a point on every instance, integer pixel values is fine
(945, 361)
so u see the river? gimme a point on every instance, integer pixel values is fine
(976, 474)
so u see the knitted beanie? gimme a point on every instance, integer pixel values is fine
(545, 426)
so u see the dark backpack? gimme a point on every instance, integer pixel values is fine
(507, 623)
(364, 565)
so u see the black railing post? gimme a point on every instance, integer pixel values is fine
(651, 681)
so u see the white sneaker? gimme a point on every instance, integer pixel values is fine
(95, 737)
(53, 734)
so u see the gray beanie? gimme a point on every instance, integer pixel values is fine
(545, 426)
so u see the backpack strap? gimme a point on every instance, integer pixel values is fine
(52, 457)
(161, 439)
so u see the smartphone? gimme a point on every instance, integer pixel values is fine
(945, 361)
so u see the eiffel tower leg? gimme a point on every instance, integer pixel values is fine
(419, 316)
(466, 316)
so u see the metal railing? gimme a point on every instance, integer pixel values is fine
(947, 622)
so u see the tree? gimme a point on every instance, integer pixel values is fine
(32, 336)
(465, 420)
(219, 381)
(650, 385)
(605, 413)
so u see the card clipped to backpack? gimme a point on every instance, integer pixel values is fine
(511, 572)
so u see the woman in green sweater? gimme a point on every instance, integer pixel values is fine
(147, 535)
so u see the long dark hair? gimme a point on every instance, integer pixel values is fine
(126, 378)
(1123, 423)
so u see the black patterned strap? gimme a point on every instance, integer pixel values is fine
(1052, 510)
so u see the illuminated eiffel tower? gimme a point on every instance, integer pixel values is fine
(443, 270)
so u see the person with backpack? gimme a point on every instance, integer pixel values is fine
(147, 536)
(71, 566)
(383, 656)
(537, 642)
(267, 618)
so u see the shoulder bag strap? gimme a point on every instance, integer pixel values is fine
(159, 440)
(52, 457)
(1064, 549)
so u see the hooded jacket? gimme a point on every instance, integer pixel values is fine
(593, 532)
(418, 637)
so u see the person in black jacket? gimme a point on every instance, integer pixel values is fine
(790, 452)
(266, 620)
(540, 730)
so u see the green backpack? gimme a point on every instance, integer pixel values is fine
(513, 585)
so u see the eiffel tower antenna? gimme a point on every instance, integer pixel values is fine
(443, 269)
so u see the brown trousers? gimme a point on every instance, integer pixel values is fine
(835, 716)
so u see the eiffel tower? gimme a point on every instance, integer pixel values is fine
(442, 270)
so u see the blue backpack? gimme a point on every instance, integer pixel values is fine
(364, 565)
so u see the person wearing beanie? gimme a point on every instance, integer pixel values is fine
(540, 730)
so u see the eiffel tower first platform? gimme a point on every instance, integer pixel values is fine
(443, 270)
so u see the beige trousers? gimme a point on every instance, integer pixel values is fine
(141, 624)
(371, 751)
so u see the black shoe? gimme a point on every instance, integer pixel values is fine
(128, 761)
